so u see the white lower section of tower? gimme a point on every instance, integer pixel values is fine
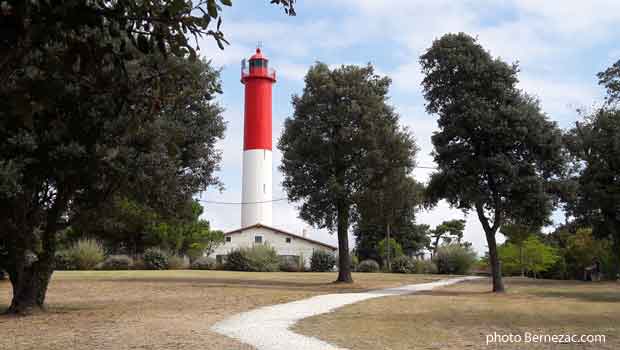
(256, 187)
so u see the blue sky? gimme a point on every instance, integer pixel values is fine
(560, 46)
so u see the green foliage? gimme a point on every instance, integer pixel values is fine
(258, 258)
(322, 261)
(403, 264)
(101, 98)
(496, 151)
(395, 249)
(341, 140)
(537, 256)
(178, 262)
(86, 254)
(368, 265)
(236, 260)
(155, 259)
(394, 200)
(203, 263)
(454, 258)
(117, 262)
(425, 266)
(355, 261)
(593, 197)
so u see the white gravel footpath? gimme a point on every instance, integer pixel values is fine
(268, 328)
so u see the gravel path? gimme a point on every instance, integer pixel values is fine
(268, 328)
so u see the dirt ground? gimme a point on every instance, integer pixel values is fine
(162, 309)
(461, 316)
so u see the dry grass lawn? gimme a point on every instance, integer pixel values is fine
(460, 317)
(161, 309)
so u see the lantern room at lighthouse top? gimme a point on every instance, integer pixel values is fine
(258, 68)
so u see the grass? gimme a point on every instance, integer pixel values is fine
(461, 316)
(162, 309)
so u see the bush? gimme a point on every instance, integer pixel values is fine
(368, 265)
(86, 254)
(177, 262)
(322, 261)
(262, 258)
(117, 262)
(203, 263)
(454, 259)
(236, 260)
(355, 261)
(425, 266)
(403, 264)
(259, 258)
(63, 261)
(155, 259)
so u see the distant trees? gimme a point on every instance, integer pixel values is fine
(497, 153)
(447, 231)
(342, 140)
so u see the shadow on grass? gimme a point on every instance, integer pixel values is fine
(246, 283)
(591, 296)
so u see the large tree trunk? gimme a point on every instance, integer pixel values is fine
(496, 271)
(29, 281)
(344, 258)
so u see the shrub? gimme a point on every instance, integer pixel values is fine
(63, 261)
(237, 261)
(355, 261)
(86, 254)
(259, 258)
(322, 261)
(403, 264)
(117, 262)
(368, 265)
(454, 259)
(203, 263)
(155, 259)
(425, 266)
(262, 258)
(177, 262)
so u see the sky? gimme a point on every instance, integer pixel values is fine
(559, 45)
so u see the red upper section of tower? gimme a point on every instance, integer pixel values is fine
(258, 82)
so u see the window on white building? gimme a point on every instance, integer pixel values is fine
(288, 239)
(228, 239)
(258, 239)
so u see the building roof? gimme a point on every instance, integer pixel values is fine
(283, 232)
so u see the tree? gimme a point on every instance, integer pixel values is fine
(534, 256)
(447, 231)
(392, 204)
(517, 234)
(496, 151)
(594, 145)
(389, 248)
(341, 140)
(92, 93)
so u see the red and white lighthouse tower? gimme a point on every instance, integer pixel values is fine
(256, 190)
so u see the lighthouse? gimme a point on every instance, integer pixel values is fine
(256, 189)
